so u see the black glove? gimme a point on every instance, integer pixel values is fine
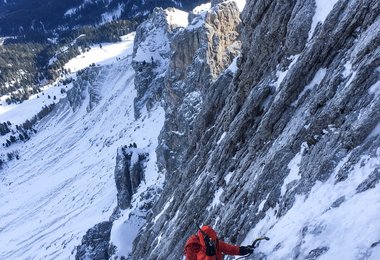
(210, 247)
(246, 250)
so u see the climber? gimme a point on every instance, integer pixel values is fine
(207, 246)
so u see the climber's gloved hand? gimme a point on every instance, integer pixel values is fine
(210, 247)
(246, 250)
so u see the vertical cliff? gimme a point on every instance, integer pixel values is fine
(285, 146)
(200, 52)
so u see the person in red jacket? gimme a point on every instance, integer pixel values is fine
(207, 246)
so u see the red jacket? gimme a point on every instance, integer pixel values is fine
(195, 248)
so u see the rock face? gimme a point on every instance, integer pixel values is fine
(95, 243)
(129, 172)
(151, 55)
(16, 14)
(200, 53)
(87, 83)
(239, 149)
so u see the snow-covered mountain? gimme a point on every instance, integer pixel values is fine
(263, 122)
(18, 17)
(63, 182)
(282, 143)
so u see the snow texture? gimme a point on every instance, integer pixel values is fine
(233, 66)
(319, 76)
(104, 55)
(157, 217)
(113, 14)
(157, 44)
(240, 4)
(216, 201)
(282, 74)
(64, 183)
(375, 88)
(124, 231)
(221, 138)
(323, 8)
(201, 8)
(322, 221)
(177, 17)
(294, 167)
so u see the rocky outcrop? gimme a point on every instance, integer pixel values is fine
(151, 55)
(194, 74)
(301, 110)
(95, 244)
(87, 83)
(129, 172)
(200, 53)
(216, 2)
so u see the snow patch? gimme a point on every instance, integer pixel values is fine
(124, 231)
(233, 66)
(114, 14)
(281, 74)
(323, 8)
(240, 4)
(375, 89)
(261, 206)
(177, 133)
(216, 201)
(202, 8)
(166, 206)
(316, 222)
(105, 54)
(156, 43)
(375, 131)
(71, 11)
(353, 75)
(197, 22)
(177, 17)
(294, 167)
(318, 77)
(227, 178)
(347, 69)
(221, 138)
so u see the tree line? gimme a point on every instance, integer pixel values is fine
(27, 62)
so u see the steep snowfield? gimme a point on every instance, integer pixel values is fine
(63, 183)
(335, 219)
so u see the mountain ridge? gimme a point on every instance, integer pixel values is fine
(19, 16)
(260, 123)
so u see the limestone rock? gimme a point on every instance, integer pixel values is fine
(200, 52)
(95, 243)
(305, 95)
(129, 172)
(151, 54)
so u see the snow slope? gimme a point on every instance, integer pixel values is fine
(63, 183)
(322, 217)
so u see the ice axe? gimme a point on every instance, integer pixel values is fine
(254, 245)
(210, 246)
(256, 242)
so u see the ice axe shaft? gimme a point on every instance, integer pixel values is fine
(255, 243)
(197, 225)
